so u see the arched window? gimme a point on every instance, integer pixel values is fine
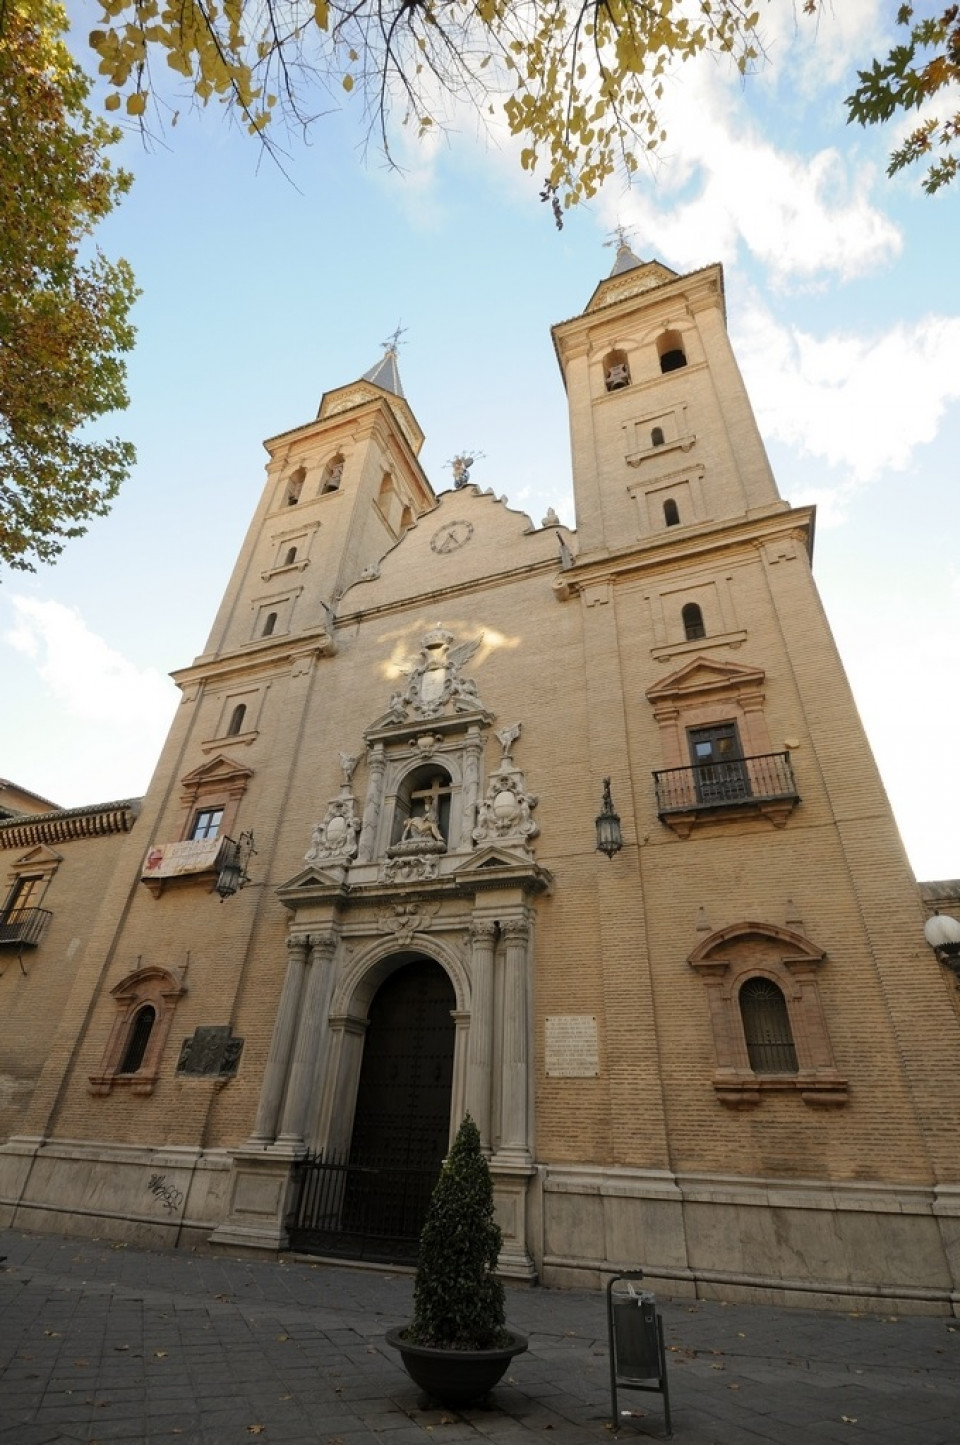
(332, 476)
(422, 808)
(146, 1002)
(290, 558)
(236, 719)
(766, 1028)
(692, 619)
(616, 370)
(656, 437)
(295, 486)
(269, 624)
(671, 352)
(671, 513)
(137, 1040)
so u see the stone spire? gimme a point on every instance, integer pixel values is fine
(385, 373)
(626, 260)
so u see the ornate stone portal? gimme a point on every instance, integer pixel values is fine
(437, 866)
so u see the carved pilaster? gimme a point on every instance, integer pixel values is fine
(514, 1125)
(482, 935)
(316, 1003)
(374, 801)
(274, 1077)
(472, 753)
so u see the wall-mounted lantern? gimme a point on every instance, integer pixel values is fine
(609, 836)
(233, 871)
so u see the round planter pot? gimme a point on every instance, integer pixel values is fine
(454, 1377)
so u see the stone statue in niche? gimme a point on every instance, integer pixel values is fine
(435, 682)
(422, 827)
(335, 838)
(505, 814)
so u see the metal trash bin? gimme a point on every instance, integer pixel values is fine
(637, 1353)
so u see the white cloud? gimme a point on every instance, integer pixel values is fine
(801, 216)
(109, 717)
(859, 403)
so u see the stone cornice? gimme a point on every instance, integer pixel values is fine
(700, 543)
(97, 820)
(276, 653)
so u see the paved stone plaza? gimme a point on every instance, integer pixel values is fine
(105, 1342)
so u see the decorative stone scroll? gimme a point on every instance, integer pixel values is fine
(415, 868)
(335, 838)
(505, 813)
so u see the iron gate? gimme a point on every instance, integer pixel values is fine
(359, 1211)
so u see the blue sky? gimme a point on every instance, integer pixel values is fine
(261, 292)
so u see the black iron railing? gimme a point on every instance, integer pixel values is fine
(763, 778)
(359, 1211)
(23, 925)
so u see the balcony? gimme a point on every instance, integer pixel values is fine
(761, 786)
(197, 859)
(23, 927)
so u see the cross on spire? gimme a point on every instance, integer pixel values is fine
(392, 342)
(620, 237)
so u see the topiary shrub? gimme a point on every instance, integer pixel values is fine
(457, 1298)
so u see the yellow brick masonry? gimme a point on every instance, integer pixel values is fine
(570, 652)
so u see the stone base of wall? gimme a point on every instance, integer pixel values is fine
(146, 1196)
(808, 1243)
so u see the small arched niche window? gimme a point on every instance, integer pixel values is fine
(290, 557)
(422, 811)
(657, 438)
(137, 1040)
(671, 513)
(236, 719)
(146, 1002)
(692, 619)
(616, 370)
(269, 624)
(766, 1028)
(671, 352)
(332, 475)
(295, 486)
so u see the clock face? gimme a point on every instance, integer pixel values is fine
(451, 536)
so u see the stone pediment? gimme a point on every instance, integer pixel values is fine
(495, 865)
(705, 675)
(218, 770)
(795, 947)
(39, 857)
(308, 880)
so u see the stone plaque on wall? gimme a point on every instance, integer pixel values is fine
(571, 1046)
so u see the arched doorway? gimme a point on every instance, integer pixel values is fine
(372, 1203)
(402, 1117)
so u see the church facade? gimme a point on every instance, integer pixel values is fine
(364, 893)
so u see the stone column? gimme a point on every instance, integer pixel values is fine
(472, 752)
(275, 1074)
(482, 937)
(514, 1142)
(372, 805)
(303, 1070)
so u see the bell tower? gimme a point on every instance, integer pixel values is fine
(340, 492)
(662, 431)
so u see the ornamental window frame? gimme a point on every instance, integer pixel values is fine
(151, 987)
(730, 958)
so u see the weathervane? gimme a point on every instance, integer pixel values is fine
(620, 237)
(392, 342)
